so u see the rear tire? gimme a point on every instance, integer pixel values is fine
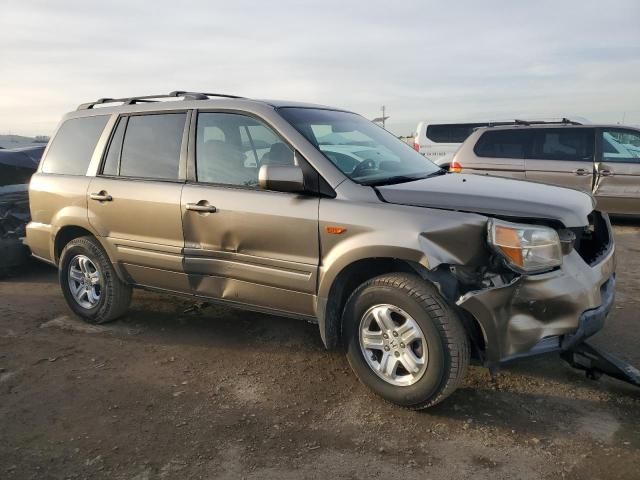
(89, 282)
(431, 362)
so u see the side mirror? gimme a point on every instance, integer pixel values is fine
(281, 178)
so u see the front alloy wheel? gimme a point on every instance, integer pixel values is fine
(404, 341)
(393, 345)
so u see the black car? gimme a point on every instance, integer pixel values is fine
(16, 167)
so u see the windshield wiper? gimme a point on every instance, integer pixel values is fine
(402, 178)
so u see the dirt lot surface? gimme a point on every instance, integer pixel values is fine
(230, 394)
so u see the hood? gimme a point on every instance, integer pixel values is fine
(494, 196)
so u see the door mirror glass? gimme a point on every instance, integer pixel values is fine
(281, 178)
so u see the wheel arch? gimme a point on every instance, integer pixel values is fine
(331, 306)
(67, 233)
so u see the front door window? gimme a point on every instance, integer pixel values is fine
(620, 145)
(231, 148)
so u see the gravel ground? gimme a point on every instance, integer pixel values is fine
(229, 394)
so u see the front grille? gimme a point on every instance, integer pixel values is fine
(593, 241)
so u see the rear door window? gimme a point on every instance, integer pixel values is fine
(504, 144)
(151, 146)
(73, 145)
(575, 144)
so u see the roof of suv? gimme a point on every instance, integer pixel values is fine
(185, 100)
(554, 125)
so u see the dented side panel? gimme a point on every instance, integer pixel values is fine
(258, 247)
(373, 230)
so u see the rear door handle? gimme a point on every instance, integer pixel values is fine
(606, 173)
(101, 197)
(582, 172)
(201, 207)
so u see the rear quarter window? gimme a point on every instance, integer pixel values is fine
(73, 145)
(503, 144)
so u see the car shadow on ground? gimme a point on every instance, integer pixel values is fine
(33, 271)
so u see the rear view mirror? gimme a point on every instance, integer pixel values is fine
(281, 178)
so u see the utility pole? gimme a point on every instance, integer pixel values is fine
(382, 120)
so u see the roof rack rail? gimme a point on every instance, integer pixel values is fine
(563, 121)
(200, 95)
(153, 98)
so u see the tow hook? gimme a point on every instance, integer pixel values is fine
(595, 363)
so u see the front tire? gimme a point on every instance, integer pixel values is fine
(89, 282)
(404, 342)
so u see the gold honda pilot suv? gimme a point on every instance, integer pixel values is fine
(316, 213)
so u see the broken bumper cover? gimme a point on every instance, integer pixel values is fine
(546, 312)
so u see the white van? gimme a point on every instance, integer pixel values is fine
(439, 141)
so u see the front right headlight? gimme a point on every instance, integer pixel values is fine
(526, 248)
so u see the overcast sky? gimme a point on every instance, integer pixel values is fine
(436, 60)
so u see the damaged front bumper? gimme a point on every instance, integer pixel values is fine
(546, 312)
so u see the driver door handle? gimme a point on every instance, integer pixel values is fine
(581, 172)
(101, 197)
(606, 173)
(197, 207)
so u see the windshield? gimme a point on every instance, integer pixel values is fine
(362, 150)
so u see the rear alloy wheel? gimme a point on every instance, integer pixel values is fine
(89, 282)
(404, 341)
(85, 281)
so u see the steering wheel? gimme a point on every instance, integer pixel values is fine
(362, 166)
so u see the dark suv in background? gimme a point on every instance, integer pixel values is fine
(600, 159)
(259, 205)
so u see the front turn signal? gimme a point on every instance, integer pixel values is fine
(455, 167)
(335, 230)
